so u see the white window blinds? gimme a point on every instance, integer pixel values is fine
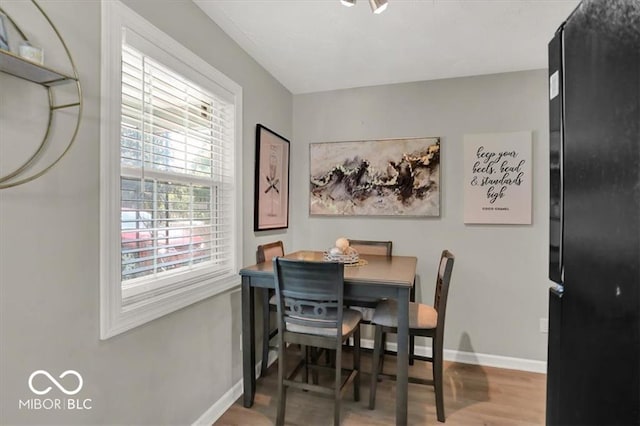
(177, 171)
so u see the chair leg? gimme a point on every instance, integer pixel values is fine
(375, 365)
(329, 355)
(315, 357)
(437, 378)
(356, 364)
(412, 349)
(266, 330)
(383, 345)
(412, 339)
(304, 353)
(282, 390)
(338, 382)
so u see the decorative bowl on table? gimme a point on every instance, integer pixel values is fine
(348, 256)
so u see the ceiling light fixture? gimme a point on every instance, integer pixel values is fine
(378, 6)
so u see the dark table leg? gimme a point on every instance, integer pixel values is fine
(248, 342)
(403, 357)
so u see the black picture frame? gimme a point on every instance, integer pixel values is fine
(4, 36)
(271, 193)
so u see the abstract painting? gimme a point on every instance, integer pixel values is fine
(271, 203)
(391, 177)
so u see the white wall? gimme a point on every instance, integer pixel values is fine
(499, 284)
(168, 371)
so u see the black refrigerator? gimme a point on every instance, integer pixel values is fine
(594, 248)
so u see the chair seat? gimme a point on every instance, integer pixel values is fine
(350, 320)
(420, 316)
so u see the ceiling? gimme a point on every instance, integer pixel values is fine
(320, 45)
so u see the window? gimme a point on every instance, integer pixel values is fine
(170, 148)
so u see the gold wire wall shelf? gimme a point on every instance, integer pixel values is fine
(48, 78)
(30, 71)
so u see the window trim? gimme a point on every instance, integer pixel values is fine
(115, 317)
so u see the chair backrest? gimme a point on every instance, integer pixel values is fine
(309, 293)
(442, 285)
(269, 251)
(382, 248)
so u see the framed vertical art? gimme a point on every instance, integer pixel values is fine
(271, 202)
(498, 178)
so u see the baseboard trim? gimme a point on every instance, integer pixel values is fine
(220, 406)
(486, 360)
(229, 398)
(489, 360)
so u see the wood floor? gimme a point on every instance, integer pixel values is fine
(474, 395)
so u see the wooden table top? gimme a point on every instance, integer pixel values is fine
(399, 271)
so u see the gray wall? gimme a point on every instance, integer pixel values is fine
(499, 285)
(168, 371)
(171, 370)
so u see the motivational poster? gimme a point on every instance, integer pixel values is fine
(497, 178)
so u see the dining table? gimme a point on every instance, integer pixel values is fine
(390, 277)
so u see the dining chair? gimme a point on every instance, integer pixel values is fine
(368, 305)
(309, 298)
(263, 253)
(382, 248)
(424, 320)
